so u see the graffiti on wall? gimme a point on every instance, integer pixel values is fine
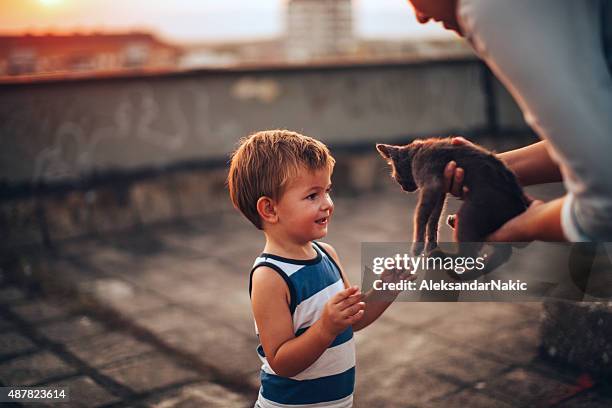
(71, 131)
(75, 136)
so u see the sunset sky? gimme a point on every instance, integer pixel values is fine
(195, 20)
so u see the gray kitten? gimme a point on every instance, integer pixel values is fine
(494, 195)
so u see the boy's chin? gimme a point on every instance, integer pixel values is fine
(320, 234)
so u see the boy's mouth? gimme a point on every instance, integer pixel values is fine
(322, 221)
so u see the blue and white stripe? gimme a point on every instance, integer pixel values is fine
(329, 381)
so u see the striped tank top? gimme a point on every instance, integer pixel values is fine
(330, 380)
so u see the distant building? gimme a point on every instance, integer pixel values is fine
(318, 29)
(232, 53)
(398, 49)
(36, 54)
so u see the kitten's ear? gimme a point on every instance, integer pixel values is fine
(387, 151)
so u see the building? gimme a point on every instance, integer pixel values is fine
(318, 29)
(38, 54)
(265, 51)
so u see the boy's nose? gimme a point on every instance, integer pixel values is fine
(327, 203)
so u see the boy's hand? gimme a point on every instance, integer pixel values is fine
(342, 311)
(393, 276)
(396, 276)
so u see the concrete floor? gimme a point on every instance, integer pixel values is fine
(160, 317)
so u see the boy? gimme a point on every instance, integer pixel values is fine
(304, 307)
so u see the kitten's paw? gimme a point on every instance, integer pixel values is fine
(451, 220)
(430, 246)
(417, 248)
(436, 253)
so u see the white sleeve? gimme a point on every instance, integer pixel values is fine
(571, 229)
(550, 56)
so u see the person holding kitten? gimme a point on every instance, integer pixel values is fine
(554, 58)
(304, 307)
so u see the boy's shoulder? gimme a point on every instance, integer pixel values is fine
(269, 283)
(267, 277)
(262, 265)
(329, 250)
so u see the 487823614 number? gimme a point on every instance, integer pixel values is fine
(13, 394)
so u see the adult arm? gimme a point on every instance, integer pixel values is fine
(541, 221)
(532, 164)
(561, 82)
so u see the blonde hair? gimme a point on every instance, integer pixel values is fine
(264, 162)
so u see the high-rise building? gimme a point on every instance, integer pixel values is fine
(318, 29)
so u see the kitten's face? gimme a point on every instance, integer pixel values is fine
(400, 160)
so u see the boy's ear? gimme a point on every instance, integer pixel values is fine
(387, 151)
(266, 208)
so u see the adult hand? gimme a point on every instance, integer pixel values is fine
(453, 175)
(521, 228)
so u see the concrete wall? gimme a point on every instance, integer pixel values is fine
(87, 157)
(69, 130)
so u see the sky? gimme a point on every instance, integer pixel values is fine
(200, 20)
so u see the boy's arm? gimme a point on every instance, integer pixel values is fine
(376, 303)
(286, 354)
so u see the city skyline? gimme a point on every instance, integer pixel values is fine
(204, 20)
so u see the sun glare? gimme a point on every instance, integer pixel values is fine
(49, 2)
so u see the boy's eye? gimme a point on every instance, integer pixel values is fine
(311, 196)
